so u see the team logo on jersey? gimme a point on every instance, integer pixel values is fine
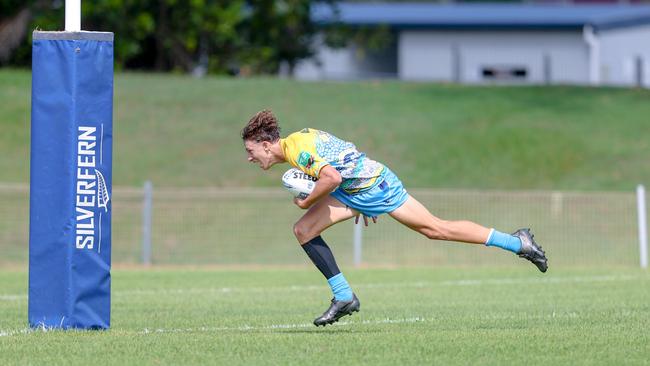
(305, 159)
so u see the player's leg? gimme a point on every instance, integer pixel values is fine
(325, 213)
(414, 215)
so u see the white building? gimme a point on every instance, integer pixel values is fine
(488, 43)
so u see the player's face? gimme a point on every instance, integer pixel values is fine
(258, 152)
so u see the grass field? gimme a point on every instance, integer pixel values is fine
(181, 131)
(487, 310)
(408, 316)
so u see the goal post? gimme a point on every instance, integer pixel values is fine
(71, 177)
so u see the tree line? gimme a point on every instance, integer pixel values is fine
(204, 36)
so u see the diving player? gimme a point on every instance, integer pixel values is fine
(349, 184)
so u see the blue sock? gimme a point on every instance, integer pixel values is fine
(503, 240)
(340, 287)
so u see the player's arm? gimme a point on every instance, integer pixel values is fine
(328, 179)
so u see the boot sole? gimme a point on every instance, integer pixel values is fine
(337, 319)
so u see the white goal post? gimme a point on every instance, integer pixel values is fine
(72, 15)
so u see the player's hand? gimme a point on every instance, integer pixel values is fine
(300, 203)
(365, 219)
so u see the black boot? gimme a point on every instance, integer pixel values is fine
(337, 310)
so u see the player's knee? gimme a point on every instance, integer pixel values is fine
(433, 234)
(301, 232)
(437, 232)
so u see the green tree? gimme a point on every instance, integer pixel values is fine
(277, 31)
(16, 18)
(217, 36)
(169, 34)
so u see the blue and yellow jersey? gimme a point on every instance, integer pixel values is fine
(310, 150)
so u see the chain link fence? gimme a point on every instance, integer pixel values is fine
(254, 227)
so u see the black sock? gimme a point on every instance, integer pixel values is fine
(322, 256)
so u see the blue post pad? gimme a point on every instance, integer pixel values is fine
(71, 175)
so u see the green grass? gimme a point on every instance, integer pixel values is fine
(180, 131)
(409, 316)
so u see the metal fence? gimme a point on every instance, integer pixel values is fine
(253, 226)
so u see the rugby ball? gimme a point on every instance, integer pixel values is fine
(299, 184)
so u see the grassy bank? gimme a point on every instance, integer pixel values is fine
(181, 131)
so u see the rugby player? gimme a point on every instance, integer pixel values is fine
(351, 184)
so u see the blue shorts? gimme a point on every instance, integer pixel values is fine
(386, 196)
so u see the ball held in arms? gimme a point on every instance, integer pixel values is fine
(298, 183)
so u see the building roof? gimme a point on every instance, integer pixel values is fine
(485, 15)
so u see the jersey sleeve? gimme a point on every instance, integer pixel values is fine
(301, 151)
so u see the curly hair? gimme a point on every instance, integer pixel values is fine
(262, 127)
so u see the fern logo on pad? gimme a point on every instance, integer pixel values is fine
(91, 190)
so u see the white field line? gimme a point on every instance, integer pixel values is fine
(416, 319)
(244, 328)
(418, 284)
(12, 297)
(10, 333)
